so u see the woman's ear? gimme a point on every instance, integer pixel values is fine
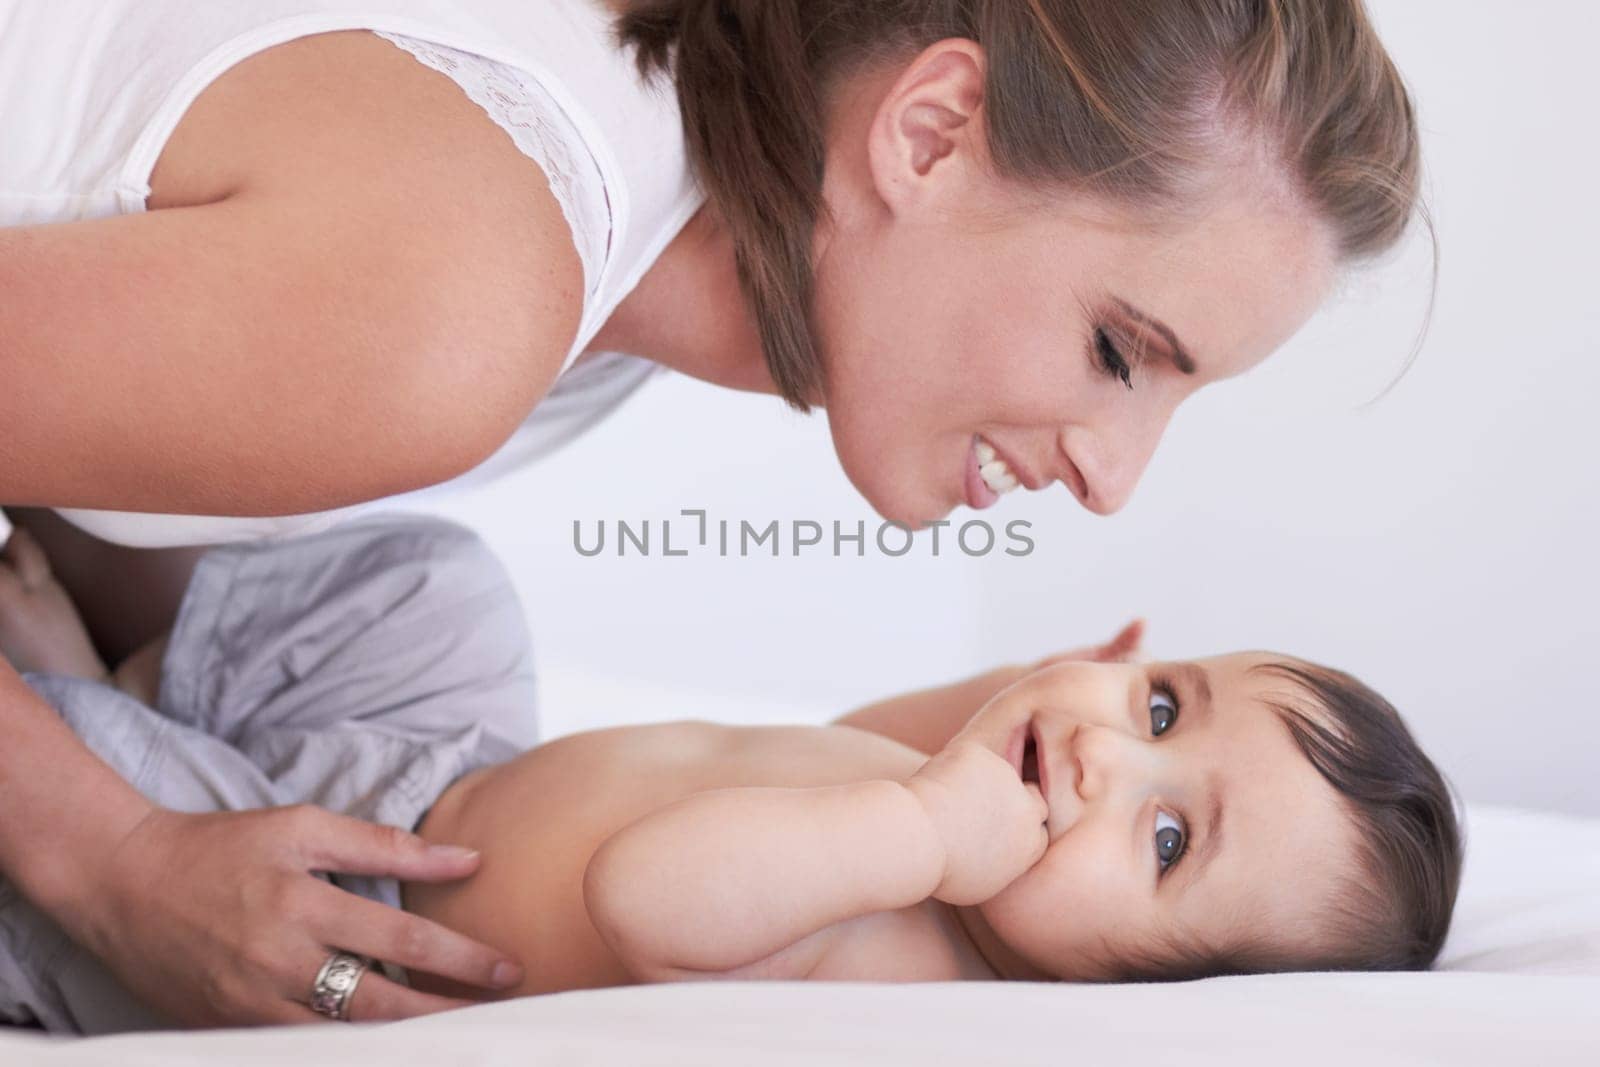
(927, 138)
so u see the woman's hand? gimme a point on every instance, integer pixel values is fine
(990, 821)
(217, 920)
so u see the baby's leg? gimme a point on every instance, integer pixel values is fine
(363, 669)
(139, 675)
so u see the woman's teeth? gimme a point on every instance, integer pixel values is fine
(996, 475)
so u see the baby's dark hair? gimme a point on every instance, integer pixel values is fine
(1394, 910)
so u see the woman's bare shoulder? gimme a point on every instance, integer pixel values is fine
(351, 283)
(350, 121)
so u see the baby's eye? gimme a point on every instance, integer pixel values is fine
(1169, 840)
(1163, 711)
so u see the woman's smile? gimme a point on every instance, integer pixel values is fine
(979, 494)
(989, 475)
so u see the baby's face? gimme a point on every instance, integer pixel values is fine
(1181, 809)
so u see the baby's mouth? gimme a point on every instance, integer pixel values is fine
(1030, 758)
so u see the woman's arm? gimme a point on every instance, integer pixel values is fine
(212, 919)
(361, 287)
(50, 822)
(926, 720)
(726, 879)
(247, 357)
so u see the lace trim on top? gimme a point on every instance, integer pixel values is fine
(541, 131)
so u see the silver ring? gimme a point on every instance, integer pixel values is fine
(336, 984)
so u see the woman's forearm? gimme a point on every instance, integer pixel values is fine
(208, 918)
(727, 878)
(60, 805)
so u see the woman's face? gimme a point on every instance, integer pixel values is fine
(1180, 810)
(952, 306)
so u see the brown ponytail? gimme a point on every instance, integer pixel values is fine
(753, 121)
(1139, 101)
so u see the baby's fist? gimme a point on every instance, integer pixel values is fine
(990, 821)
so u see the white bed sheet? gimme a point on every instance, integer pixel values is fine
(1520, 984)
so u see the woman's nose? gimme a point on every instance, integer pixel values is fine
(1110, 461)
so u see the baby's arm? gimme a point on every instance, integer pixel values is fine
(723, 881)
(926, 720)
(752, 882)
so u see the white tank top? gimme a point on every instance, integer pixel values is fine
(90, 90)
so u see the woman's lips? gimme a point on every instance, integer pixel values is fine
(979, 495)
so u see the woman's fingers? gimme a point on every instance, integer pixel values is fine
(371, 929)
(289, 1013)
(377, 999)
(216, 919)
(339, 844)
(329, 842)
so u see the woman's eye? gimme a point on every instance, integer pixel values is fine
(1169, 840)
(1163, 712)
(1111, 360)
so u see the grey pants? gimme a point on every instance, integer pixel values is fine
(362, 669)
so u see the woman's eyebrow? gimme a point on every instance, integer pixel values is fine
(1179, 356)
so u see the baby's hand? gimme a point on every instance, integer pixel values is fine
(990, 821)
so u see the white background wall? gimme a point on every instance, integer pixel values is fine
(1440, 543)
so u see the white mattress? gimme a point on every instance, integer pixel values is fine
(1520, 982)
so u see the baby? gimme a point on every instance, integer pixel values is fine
(1080, 821)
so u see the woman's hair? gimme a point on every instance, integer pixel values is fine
(1394, 908)
(1142, 102)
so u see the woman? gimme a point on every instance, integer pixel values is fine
(999, 240)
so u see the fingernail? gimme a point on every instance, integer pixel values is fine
(506, 974)
(454, 852)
